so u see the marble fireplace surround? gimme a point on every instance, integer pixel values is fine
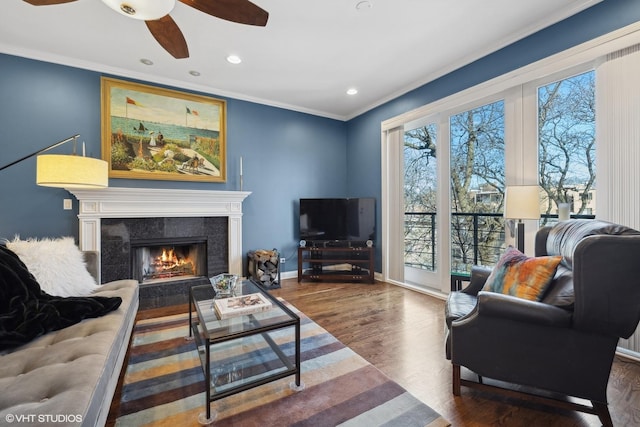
(123, 202)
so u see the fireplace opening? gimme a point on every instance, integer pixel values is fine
(162, 260)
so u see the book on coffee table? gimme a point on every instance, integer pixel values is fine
(241, 305)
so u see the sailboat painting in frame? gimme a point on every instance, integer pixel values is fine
(156, 133)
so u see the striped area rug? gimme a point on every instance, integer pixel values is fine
(163, 386)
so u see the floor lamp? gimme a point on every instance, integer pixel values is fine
(521, 202)
(67, 171)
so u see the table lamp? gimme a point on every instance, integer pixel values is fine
(521, 202)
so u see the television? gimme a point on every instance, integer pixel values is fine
(347, 220)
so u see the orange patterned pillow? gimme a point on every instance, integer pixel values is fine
(518, 275)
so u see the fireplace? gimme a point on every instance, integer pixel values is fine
(160, 260)
(131, 248)
(121, 202)
(124, 241)
(110, 219)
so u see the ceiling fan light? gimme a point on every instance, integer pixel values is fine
(144, 10)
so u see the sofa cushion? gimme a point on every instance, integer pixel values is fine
(57, 264)
(521, 276)
(560, 292)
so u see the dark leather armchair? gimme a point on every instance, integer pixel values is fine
(564, 343)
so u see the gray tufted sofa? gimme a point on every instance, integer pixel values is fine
(68, 377)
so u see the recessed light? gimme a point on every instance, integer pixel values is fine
(234, 59)
(352, 91)
(194, 73)
(146, 61)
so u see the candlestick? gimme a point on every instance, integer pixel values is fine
(241, 173)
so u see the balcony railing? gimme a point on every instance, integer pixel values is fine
(476, 239)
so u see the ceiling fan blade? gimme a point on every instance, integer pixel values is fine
(166, 32)
(240, 11)
(47, 2)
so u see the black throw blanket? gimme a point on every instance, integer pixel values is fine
(27, 312)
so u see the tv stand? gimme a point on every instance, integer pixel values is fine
(352, 244)
(335, 244)
(336, 264)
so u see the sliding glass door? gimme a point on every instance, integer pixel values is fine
(454, 179)
(422, 245)
(477, 176)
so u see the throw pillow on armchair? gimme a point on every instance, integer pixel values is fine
(521, 276)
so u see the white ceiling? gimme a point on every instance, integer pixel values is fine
(306, 57)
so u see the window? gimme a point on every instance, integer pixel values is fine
(548, 138)
(477, 186)
(420, 197)
(566, 143)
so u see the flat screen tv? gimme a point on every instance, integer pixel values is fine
(338, 219)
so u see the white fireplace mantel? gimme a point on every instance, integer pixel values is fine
(121, 202)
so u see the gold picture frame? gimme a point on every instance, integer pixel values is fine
(155, 133)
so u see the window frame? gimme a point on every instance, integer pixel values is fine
(518, 88)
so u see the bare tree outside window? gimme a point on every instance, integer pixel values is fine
(477, 189)
(420, 197)
(477, 186)
(566, 157)
(566, 144)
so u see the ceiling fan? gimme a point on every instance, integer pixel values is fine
(155, 13)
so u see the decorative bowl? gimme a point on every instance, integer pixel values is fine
(224, 284)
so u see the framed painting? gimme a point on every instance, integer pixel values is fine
(155, 133)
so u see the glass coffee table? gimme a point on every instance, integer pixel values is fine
(243, 351)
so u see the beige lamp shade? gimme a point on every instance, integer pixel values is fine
(71, 171)
(522, 202)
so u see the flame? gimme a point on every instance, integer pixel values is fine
(169, 260)
(169, 257)
(169, 263)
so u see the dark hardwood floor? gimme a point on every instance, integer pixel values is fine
(401, 332)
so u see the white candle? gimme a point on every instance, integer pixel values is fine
(83, 149)
(563, 211)
(240, 165)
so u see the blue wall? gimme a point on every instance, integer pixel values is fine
(286, 155)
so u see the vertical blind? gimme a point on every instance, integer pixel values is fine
(618, 144)
(393, 206)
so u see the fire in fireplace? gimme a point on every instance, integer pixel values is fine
(171, 263)
(167, 260)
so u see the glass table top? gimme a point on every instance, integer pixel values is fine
(216, 329)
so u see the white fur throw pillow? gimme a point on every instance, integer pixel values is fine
(57, 265)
